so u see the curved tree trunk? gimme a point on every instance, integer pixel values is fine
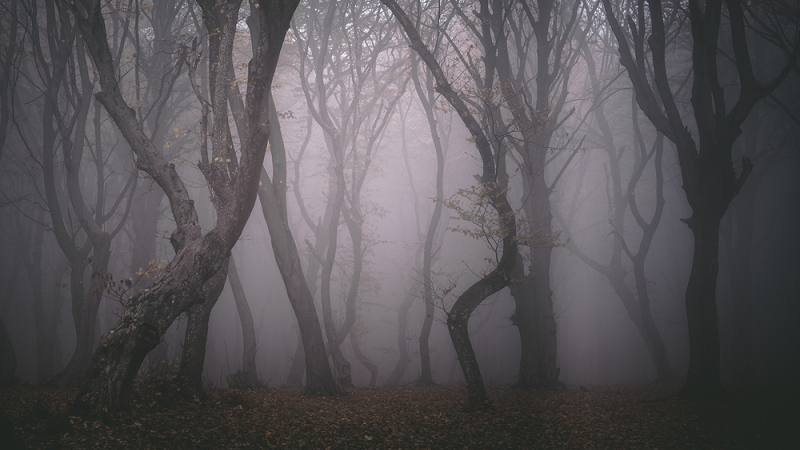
(232, 180)
(701, 308)
(85, 305)
(362, 358)
(426, 97)
(272, 197)
(500, 277)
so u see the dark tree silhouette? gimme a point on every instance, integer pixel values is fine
(710, 180)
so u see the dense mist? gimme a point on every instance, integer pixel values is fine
(590, 221)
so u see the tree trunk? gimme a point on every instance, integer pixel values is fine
(500, 277)
(340, 364)
(402, 341)
(8, 357)
(701, 308)
(426, 97)
(85, 304)
(246, 377)
(362, 358)
(319, 380)
(193, 353)
(535, 321)
(298, 367)
(232, 179)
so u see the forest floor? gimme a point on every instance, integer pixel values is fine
(615, 417)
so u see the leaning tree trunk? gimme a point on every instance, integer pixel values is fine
(319, 379)
(232, 178)
(362, 358)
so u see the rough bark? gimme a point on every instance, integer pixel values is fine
(233, 183)
(193, 352)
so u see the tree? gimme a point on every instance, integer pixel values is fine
(527, 56)
(500, 276)
(622, 198)
(427, 99)
(65, 75)
(353, 124)
(709, 177)
(247, 376)
(232, 181)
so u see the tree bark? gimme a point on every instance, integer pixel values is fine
(193, 353)
(233, 183)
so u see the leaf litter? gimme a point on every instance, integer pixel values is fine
(597, 417)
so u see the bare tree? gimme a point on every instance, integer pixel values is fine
(232, 181)
(710, 179)
(500, 276)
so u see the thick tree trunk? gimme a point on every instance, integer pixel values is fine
(193, 353)
(232, 180)
(533, 297)
(701, 308)
(149, 315)
(742, 281)
(8, 357)
(247, 376)
(535, 321)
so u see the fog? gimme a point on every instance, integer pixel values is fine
(383, 139)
